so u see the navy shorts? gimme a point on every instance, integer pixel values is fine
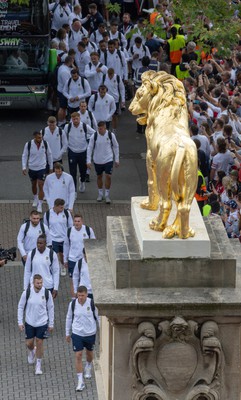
(38, 332)
(107, 168)
(58, 247)
(72, 109)
(117, 109)
(37, 175)
(71, 265)
(63, 103)
(81, 342)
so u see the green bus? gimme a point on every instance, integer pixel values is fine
(24, 53)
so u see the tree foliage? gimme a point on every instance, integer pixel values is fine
(210, 23)
(221, 15)
(20, 2)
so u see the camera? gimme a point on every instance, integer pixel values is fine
(8, 254)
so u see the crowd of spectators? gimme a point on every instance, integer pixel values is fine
(99, 51)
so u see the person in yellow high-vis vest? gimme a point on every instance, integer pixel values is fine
(175, 46)
(201, 192)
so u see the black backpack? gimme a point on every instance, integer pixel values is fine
(27, 221)
(92, 305)
(60, 135)
(118, 83)
(84, 127)
(95, 100)
(82, 82)
(87, 229)
(91, 119)
(110, 137)
(45, 145)
(48, 215)
(28, 295)
(143, 48)
(51, 257)
(119, 54)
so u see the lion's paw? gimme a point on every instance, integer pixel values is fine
(168, 232)
(191, 233)
(149, 206)
(156, 225)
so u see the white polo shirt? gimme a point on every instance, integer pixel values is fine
(74, 245)
(58, 224)
(38, 311)
(60, 188)
(41, 266)
(84, 323)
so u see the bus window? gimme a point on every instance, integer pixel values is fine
(28, 18)
(31, 57)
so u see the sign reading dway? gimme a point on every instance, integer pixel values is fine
(10, 42)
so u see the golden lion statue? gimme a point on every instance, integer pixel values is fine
(171, 156)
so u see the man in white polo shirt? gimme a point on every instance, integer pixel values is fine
(56, 139)
(78, 135)
(74, 245)
(59, 185)
(29, 233)
(105, 149)
(82, 320)
(58, 221)
(43, 261)
(37, 304)
(36, 155)
(76, 89)
(102, 105)
(81, 277)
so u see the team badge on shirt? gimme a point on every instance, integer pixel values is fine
(43, 297)
(57, 135)
(88, 308)
(84, 234)
(40, 231)
(47, 258)
(63, 182)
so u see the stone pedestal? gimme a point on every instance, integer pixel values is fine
(151, 243)
(171, 326)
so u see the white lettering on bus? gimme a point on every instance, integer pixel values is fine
(9, 42)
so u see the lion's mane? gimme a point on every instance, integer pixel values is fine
(167, 93)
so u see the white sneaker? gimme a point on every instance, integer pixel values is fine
(82, 187)
(63, 271)
(80, 386)
(39, 208)
(100, 197)
(38, 370)
(35, 202)
(31, 356)
(87, 372)
(107, 200)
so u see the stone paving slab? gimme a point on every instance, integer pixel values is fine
(17, 379)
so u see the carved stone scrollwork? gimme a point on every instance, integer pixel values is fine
(183, 361)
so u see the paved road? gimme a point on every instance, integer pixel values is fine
(16, 128)
(17, 379)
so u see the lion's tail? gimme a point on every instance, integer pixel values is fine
(176, 169)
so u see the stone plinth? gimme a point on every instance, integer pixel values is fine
(125, 309)
(151, 243)
(129, 269)
(170, 325)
